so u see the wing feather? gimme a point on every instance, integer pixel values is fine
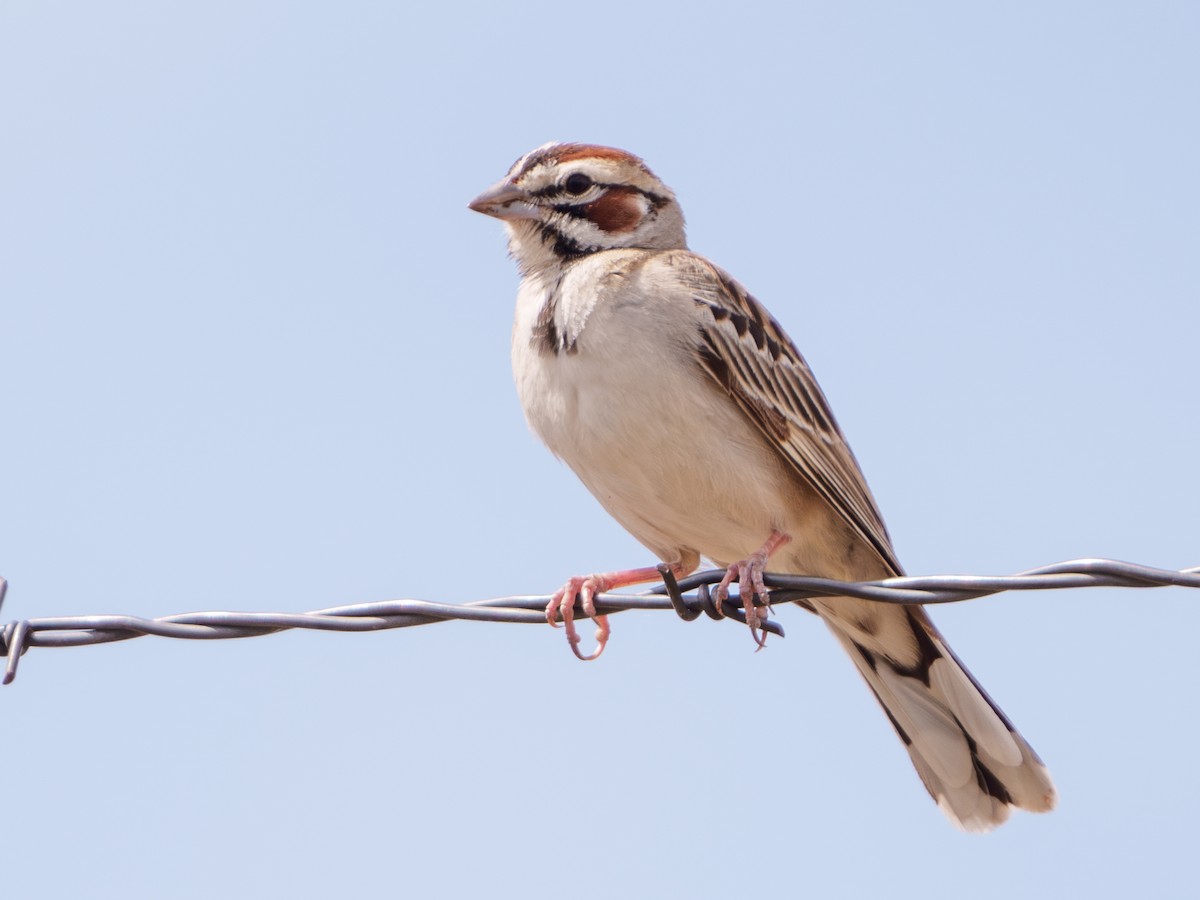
(751, 358)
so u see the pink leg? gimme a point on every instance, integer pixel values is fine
(749, 575)
(587, 587)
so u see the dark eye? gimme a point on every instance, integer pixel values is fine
(577, 183)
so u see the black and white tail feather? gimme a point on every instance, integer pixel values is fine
(973, 762)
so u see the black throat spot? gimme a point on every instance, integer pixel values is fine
(546, 336)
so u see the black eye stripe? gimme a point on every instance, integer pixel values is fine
(556, 190)
(574, 210)
(656, 200)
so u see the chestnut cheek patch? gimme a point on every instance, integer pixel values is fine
(619, 210)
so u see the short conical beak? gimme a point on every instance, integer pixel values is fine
(505, 200)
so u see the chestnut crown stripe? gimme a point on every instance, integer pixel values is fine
(561, 153)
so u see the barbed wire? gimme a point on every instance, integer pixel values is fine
(74, 631)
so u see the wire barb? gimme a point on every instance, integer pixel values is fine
(74, 631)
(671, 584)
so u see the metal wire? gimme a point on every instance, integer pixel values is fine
(73, 631)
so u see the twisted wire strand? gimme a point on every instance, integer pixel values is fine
(74, 631)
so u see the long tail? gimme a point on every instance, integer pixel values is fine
(972, 760)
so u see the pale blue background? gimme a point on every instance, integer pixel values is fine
(254, 355)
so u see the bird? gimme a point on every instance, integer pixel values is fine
(691, 416)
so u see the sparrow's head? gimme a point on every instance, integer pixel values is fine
(565, 201)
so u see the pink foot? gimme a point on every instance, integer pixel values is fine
(563, 603)
(586, 588)
(749, 575)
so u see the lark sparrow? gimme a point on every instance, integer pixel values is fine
(693, 419)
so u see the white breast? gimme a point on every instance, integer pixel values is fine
(629, 410)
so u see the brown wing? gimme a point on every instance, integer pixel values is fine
(741, 347)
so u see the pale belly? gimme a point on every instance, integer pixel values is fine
(675, 461)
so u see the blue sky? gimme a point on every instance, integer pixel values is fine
(255, 356)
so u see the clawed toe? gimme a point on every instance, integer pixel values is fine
(749, 578)
(563, 604)
(749, 575)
